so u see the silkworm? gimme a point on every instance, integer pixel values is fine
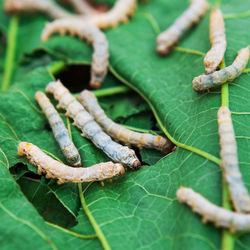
(59, 130)
(82, 7)
(92, 34)
(230, 165)
(90, 129)
(119, 13)
(48, 7)
(169, 37)
(219, 216)
(56, 170)
(218, 41)
(228, 74)
(119, 133)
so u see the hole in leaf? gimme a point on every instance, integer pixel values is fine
(47, 127)
(75, 77)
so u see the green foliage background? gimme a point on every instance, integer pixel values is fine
(139, 210)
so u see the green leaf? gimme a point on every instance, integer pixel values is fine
(45, 202)
(21, 225)
(141, 207)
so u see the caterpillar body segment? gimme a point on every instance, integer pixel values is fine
(48, 7)
(168, 38)
(218, 41)
(90, 129)
(93, 35)
(56, 170)
(230, 165)
(119, 133)
(119, 13)
(221, 217)
(59, 130)
(228, 74)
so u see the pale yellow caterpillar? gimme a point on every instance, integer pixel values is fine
(56, 170)
(228, 74)
(221, 217)
(59, 130)
(90, 129)
(119, 133)
(48, 7)
(218, 41)
(93, 35)
(119, 13)
(167, 39)
(230, 165)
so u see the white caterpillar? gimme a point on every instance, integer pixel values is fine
(218, 41)
(219, 216)
(119, 13)
(169, 37)
(119, 133)
(48, 7)
(228, 74)
(92, 34)
(59, 130)
(90, 129)
(64, 173)
(230, 166)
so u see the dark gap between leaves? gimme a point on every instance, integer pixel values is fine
(75, 77)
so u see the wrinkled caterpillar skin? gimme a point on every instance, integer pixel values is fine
(119, 133)
(230, 165)
(48, 7)
(59, 130)
(90, 129)
(93, 35)
(56, 170)
(118, 14)
(218, 41)
(228, 74)
(221, 217)
(168, 38)
(82, 7)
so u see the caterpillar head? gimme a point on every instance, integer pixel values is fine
(24, 147)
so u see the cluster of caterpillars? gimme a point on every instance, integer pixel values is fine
(240, 219)
(234, 221)
(167, 39)
(86, 24)
(98, 128)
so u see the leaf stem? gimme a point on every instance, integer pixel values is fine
(92, 220)
(111, 91)
(237, 15)
(246, 70)
(83, 236)
(224, 89)
(190, 51)
(56, 67)
(99, 234)
(141, 130)
(227, 242)
(10, 52)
